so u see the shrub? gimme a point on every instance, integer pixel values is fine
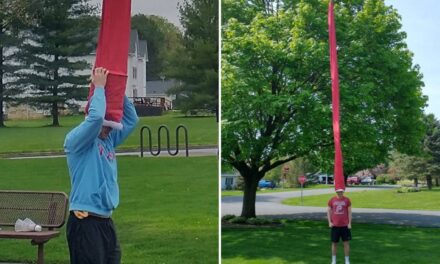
(408, 189)
(238, 220)
(414, 189)
(406, 183)
(387, 178)
(258, 221)
(381, 179)
(227, 217)
(402, 190)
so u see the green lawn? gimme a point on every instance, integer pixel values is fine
(310, 187)
(36, 135)
(307, 242)
(168, 211)
(389, 199)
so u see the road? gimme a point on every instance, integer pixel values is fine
(269, 205)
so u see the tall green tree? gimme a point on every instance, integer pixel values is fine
(276, 95)
(196, 65)
(64, 31)
(432, 149)
(414, 168)
(15, 16)
(164, 40)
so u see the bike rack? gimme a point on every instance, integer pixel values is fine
(159, 148)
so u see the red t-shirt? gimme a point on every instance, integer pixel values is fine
(339, 210)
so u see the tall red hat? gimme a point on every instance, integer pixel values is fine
(338, 168)
(112, 54)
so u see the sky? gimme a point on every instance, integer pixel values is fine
(420, 20)
(164, 8)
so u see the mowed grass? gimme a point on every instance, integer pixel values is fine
(261, 191)
(167, 214)
(389, 199)
(308, 242)
(37, 135)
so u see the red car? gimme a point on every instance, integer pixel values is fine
(353, 180)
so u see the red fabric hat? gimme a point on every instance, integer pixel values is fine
(112, 54)
(338, 169)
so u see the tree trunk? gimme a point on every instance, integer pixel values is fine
(250, 193)
(436, 182)
(429, 182)
(416, 182)
(55, 121)
(216, 113)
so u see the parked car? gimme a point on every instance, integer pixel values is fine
(266, 184)
(324, 178)
(313, 179)
(367, 180)
(353, 180)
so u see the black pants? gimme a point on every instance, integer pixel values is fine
(92, 240)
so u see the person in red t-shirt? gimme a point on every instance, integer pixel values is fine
(339, 220)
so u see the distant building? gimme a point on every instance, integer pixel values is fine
(157, 92)
(137, 66)
(136, 81)
(229, 181)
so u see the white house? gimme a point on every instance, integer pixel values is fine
(229, 181)
(137, 67)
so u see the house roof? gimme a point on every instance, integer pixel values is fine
(134, 39)
(143, 49)
(137, 46)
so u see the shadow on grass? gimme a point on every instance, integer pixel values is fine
(402, 219)
(308, 242)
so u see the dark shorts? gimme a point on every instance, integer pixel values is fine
(92, 240)
(341, 232)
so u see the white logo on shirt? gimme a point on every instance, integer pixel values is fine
(340, 205)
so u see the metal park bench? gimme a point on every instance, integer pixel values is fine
(47, 209)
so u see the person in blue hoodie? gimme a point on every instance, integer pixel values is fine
(90, 149)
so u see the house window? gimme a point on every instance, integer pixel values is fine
(229, 183)
(135, 73)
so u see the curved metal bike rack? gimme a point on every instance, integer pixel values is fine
(159, 148)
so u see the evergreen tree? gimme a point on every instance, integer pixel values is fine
(14, 17)
(64, 31)
(432, 148)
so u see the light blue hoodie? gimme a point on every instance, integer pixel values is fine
(92, 161)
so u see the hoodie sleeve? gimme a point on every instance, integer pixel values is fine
(83, 136)
(129, 122)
